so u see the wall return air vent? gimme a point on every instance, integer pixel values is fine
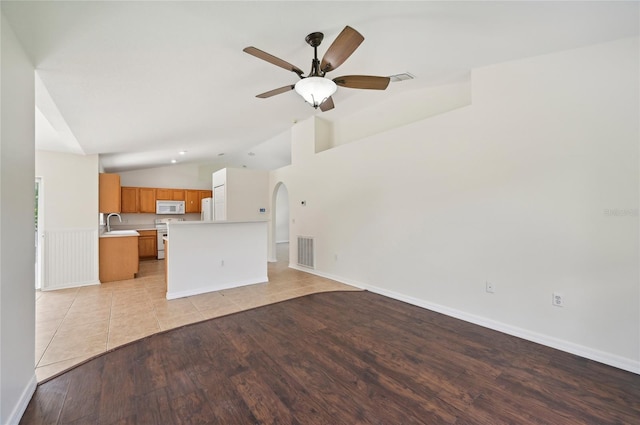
(306, 252)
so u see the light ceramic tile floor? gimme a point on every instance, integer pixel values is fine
(73, 325)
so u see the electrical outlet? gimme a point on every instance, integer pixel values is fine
(557, 300)
(489, 287)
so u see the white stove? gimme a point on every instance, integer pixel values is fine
(162, 230)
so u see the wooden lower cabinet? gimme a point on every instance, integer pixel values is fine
(118, 258)
(147, 244)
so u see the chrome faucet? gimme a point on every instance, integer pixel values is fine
(109, 224)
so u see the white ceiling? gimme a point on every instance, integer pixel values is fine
(136, 82)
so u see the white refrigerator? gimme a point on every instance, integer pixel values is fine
(207, 209)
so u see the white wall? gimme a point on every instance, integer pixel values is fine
(177, 176)
(524, 188)
(17, 254)
(208, 256)
(70, 243)
(246, 192)
(71, 189)
(406, 104)
(282, 214)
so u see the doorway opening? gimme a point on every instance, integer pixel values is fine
(280, 224)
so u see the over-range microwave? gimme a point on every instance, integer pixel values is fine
(169, 207)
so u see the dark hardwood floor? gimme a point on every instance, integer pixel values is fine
(337, 358)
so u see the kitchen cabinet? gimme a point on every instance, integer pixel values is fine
(143, 199)
(147, 244)
(163, 195)
(118, 258)
(178, 194)
(109, 193)
(194, 200)
(129, 200)
(170, 194)
(192, 204)
(205, 194)
(146, 200)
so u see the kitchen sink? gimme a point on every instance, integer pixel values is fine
(115, 233)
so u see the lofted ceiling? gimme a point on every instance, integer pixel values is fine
(137, 82)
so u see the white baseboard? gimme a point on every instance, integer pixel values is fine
(610, 359)
(23, 402)
(71, 285)
(198, 291)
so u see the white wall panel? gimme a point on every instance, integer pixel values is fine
(533, 187)
(70, 258)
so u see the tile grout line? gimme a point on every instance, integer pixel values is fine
(56, 331)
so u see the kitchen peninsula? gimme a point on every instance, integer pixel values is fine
(206, 256)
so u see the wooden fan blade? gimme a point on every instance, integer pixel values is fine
(276, 91)
(342, 47)
(272, 59)
(362, 82)
(327, 104)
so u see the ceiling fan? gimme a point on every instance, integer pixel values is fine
(315, 88)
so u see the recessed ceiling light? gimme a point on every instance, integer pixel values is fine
(182, 152)
(173, 161)
(221, 154)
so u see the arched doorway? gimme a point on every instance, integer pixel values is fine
(280, 224)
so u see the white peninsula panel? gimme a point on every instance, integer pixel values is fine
(211, 256)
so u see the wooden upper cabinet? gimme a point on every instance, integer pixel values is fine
(129, 200)
(109, 193)
(178, 195)
(164, 194)
(143, 199)
(147, 200)
(205, 194)
(192, 201)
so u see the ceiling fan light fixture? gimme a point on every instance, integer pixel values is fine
(315, 90)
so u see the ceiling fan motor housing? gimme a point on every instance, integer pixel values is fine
(314, 39)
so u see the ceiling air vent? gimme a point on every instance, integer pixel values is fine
(402, 77)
